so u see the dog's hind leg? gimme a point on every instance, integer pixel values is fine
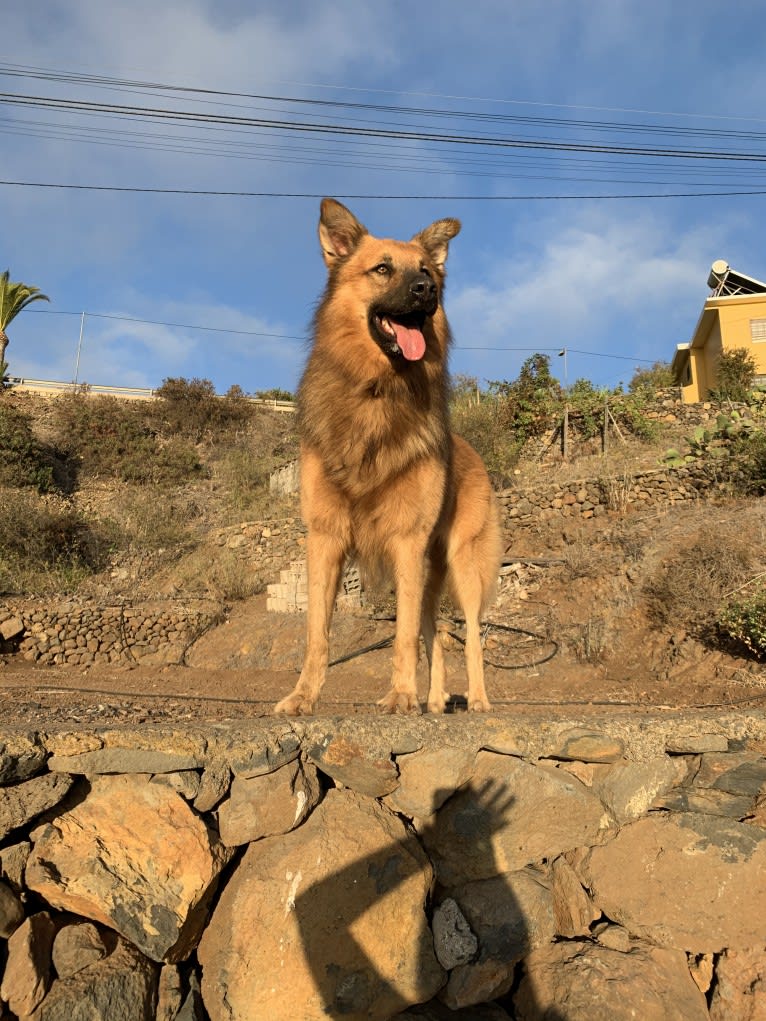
(325, 556)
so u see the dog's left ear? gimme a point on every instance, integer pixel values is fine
(436, 238)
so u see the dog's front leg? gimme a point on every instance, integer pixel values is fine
(325, 555)
(410, 574)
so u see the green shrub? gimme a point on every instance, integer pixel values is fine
(743, 620)
(736, 372)
(23, 460)
(749, 457)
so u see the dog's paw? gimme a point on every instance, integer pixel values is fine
(294, 705)
(437, 704)
(479, 705)
(399, 702)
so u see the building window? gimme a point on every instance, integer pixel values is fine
(758, 331)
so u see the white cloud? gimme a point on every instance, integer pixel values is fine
(627, 284)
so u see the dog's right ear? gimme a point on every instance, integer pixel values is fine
(339, 231)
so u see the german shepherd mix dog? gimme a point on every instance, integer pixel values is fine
(382, 476)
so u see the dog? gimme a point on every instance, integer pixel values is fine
(382, 477)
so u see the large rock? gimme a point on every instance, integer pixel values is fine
(428, 778)
(261, 806)
(629, 790)
(688, 881)
(742, 773)
(325, 921)
(739, 993)
(511, 815)
(121, 987)
(580, 981)
(27, 974)
(510, 915)
(20, 804)
(134, 856)
(75, 947)
(124, 760)
(355, 765)
(21, 756)
(11, 911)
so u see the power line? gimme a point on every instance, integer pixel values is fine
(387, 197)
(304, 337)
(372, 143)
(181, 116)
(120, 84)
(178, 326)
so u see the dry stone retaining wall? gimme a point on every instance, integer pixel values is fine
(483, 867)
(80, 634)
(591, 498)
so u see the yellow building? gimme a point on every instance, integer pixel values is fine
(733, 316)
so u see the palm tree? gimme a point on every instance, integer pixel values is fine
(13, 298)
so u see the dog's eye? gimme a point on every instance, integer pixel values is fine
(383, 269)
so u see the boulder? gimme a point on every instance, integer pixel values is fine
(21, 756)
(428, 778)
(21, 803)
(135, 857)
(739, 993)
(75, 947)
(689, 881)
(11, 911)
(629, 790)
(355, 766)
(214, 785)
(510, 915)
(581, 981)
(27, 976)
(327, 920)
(454, 942)
(121, 987)
(512, 814)
(261, 806)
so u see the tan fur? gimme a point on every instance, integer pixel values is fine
(382, 477)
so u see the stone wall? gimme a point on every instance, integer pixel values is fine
(82, 633)
(267, 544)
(593, 497)
(488, 867)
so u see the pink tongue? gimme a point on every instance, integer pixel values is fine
(411, 341)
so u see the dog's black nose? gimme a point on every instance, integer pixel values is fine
(422, 287)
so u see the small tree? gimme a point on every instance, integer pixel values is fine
(526, 404)
(657, 377)
(13, 298)
(736, 372)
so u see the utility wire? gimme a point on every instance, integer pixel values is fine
(120, 84)
(304, 337)
(162, 113)
(398, 198)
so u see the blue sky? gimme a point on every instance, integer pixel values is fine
(622, 279)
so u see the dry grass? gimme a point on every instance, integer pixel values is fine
(219, 573)
(687, 588)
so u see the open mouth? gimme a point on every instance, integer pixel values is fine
(401, 334)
